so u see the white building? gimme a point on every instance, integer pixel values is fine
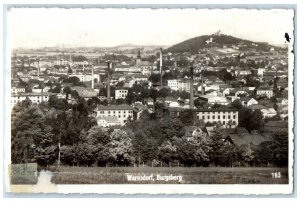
(173, 84)
(226, 117)
(265, 91)
(179, 85)
(223, 116)
(121, 94)
(269, 112)
(34, 97)
(108, 121)
(122, 112)
(214, 99)
(15, 90)
(260, 72)
(246, 101)
(86, 77)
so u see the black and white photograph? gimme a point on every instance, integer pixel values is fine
(147, 99)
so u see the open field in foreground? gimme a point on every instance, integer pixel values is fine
(149, 175)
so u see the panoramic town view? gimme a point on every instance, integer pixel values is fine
(210, 109)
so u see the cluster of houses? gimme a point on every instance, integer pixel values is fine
(209, 90)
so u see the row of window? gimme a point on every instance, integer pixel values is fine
(115, 111)
(121, 91)
(216, 112)
(122, 95)
(218, 117)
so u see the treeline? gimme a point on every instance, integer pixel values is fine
(48, 133)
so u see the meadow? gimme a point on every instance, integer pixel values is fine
(190, 175)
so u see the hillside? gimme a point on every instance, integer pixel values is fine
(206, 41)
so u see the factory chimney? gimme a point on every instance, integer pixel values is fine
(108, 82)
(93, 85)
(191, 88)
(160, 66)
(239, 65)
(202, 87)
(38, 69)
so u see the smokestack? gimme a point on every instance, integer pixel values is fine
(38, 69)
(202, 87)
(191, 88)
(93, 77)
(239, 65)
(160, 65)
(108, 82)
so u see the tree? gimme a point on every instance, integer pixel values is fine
(256, 120)
(74, 94)
(224, 75)
(92, 103)
(72, 79)
(120, 148)
(237, 104)
(230, 154)
(194, 151)
(247, 153)
(60, 104)
(154, 78)
(67, 90)
(216, 144)
(153, 94)
(31, 138)
(187, 117)
(171, 127)
(199, 103)
(56, 89)
(164, 92)
(244, 118)
(167, 152)
(263, 153)
(280, 148)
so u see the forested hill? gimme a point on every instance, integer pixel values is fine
(206, 41)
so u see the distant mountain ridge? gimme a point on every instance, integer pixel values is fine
(193, 45)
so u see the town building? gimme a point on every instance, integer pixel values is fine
(122, 112)
(121, 94)
(15, 90)
(214, 99)
(33, 97)
(87, 77)
(108, 121)
(179, 84)
(247, 101)
(265, 91)
(224, 116)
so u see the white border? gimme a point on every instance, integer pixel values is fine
(201, 189)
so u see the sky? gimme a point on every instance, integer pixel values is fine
(40, 27)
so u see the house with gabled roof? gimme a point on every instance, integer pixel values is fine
(247, 101)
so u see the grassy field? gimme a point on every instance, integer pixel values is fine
(194, 175)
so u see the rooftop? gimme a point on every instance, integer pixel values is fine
(247, 139)
(114, 107)
(33, 94)
(108, 119)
